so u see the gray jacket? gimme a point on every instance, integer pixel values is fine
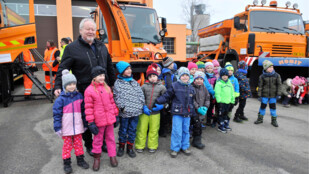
(202, 97)
(129, 98)
(152, 91)
(269, 85)
(286, 89)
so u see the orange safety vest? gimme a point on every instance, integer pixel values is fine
(49, 57)
(28, 57)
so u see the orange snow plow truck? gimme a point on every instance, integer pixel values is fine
(259, 33)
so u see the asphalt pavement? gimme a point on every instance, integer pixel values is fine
(28, 145)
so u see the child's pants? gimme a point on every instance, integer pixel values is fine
(223, 111)
(197, 127)
(210, 111)
(127, 129)
(272, 106)
(70, 142)
(106, 132)
(180, 138)
(286, 100)
(153, 121)
(241, 106)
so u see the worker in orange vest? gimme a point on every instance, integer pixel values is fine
(50, 55)
(29, 63)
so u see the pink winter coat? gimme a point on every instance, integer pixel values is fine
(100, 106)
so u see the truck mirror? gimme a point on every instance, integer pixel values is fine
(163, 23)
(237, 22)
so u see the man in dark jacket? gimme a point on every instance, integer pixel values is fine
(80, 57)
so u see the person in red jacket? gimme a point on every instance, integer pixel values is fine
(304, 96)
(101, 112)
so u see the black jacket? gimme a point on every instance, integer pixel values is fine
(79, 57)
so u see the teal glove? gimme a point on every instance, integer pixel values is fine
(201, 111)
(205, 109)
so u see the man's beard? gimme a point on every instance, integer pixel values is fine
(89, 39)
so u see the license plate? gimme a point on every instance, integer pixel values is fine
(138, 45)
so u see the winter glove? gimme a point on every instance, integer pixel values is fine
(201, 111)
(236, 100)
(146, 110)
(278, 97)
(158, 107)
(300, 101)
(205, 109)
(59, 133)
(117, 122)
(122, 110)
(93, 128)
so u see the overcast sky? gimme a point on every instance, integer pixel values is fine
(218, 9)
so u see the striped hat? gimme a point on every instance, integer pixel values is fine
(167, 61)
(229, 66)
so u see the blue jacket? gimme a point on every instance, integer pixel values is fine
(68, 115)
(235, 84)
(182, 97)
(244, 87)
(169, 77)
(209, 87)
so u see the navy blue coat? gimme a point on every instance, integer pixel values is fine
(182, 97)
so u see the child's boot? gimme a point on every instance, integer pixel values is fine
(120, 151)
(237, 118)
(274, 121)
(130, 150)
(81, 162)
(221, 127)
(259, 120)
(243, 117)
(113, 161)
(96, 161)
(227, 125)
(197, 142)
(67, 165)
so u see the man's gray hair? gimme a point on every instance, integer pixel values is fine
(81, 24)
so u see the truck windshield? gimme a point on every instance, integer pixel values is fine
(143, 24)
(16, 12)
(279, 22)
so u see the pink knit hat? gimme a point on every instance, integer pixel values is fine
(192, 65)
(215, 62)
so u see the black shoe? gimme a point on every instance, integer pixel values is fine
(120, 151)
(197, 142)
(259, 120)
(89, 151)
(104, 148)
(237, 119)
(81, 162)
(243, 117)
(67, 165)
(274, 121)
(130, 151)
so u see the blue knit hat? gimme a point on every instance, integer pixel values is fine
(122, 66)
(229, 66)
(182, 71)
(199, 74)
(159, 66)
(224, 72)
(242, 65)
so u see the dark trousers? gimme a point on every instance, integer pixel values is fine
(210, 114)
(241, 106)
(223, 111)
(127, 129)
(286, 100)
(196, 123)
(165, 121)
(87, 135)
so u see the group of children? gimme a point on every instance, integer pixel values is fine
(202, 93)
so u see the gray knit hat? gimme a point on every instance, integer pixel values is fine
(67, 78)
(167, 61)
(199, 74)
(182, 71)
(267, 64)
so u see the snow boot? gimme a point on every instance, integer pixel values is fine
(237, 118)
(274, 121)
(130, 150)
(221, 127)
(113, 161)
(120, 151)
(81, 162)
(243, 117)
(67, 165)
(259, 120)
(227, 125)
(197, 142)
(96, 161)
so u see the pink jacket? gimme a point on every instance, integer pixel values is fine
(100, 106)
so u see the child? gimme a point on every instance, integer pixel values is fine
(130, 100)
(269, 89)
(201, 66)
(224, 93)
(286, 90)
(192, 68)
(152, 89)
(168, 72)
(159, 70)
(298, 89)
(101, 112)
(201, 104)
(235, 84)
(68, 121)
(217, 68)
(211, 120)
(304, 97)
(182, 95)
(244, 89)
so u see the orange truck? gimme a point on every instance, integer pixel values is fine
(259, 33)
(131, 32)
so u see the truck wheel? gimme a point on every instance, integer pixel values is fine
(6, 87)
(255, 73)
(235, 64)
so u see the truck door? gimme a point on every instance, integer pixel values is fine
(239, 36)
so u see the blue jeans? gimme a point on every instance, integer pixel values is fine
(180, 138)
(127, 129)
(272, 106)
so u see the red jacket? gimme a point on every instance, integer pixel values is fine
(306, 91)
(100, 106)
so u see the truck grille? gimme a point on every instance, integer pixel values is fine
(282, 49)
